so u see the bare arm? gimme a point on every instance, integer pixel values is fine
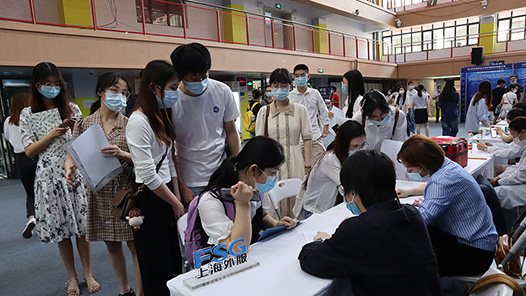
(232, 137)
(418, 190)
(35, 148)
(165, 194)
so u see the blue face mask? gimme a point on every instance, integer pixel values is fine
(50, 92)
(417, 176)
(197, 87)
(411, 87)
(115, 102)
(380, 123)
(351, 206)
(355, 150)
(344, 89)
(269, 183)
(281, 94)
(170, 98)
(268, 95)
(301, 81)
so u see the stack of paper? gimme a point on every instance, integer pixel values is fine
(96, 169)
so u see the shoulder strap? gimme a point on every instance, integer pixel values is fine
(496, 279)
(141, 187)
(396, 122)
(266, 121)
(253, 105)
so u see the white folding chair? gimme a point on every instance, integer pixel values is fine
(283, 189)
(391, 148)
(181, 227)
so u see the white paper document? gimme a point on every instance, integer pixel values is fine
(96, 169)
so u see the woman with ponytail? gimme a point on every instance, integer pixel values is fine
(255, 167)
(150, 135)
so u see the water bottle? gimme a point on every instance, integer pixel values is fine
(470, 140)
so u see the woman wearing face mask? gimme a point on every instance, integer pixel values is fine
(352, 86)
(60, 209)
(287, 123)
(150, 135)
(400, 99)
(321, 191)
(508, 100)
(448, 102)
(421, 109)
(382, 231)
(255, 167)
(112, 90)
(459, 221)
(380, 120)
(510, 185)
(478, 109)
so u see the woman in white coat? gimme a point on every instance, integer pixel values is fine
(380, 120)
(352, 86)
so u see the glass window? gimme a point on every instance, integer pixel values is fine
(462, 22)
(439, 25)
(504, 14)
(386, 33)
(517, 28)
(461, 32)
(406, 30)
(397, 43)
(427, 27)
(417, 42)
(406, 42)
(449, 37)
(408, 2)
(438, 38)
(417, 29)
(519, 12)
(427, 36)
(503, 27)
(475, 19)
(449, 24)
(387, 45)
(473, 34)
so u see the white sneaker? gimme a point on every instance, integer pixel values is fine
(28, 231)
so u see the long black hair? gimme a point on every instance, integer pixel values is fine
(484, 92)
(449, 91)
(371, 175)
(374, 100)
(261, 151)
(355, 89)
(401, 97)
(41, 72)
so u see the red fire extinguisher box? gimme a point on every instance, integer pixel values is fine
(455, 149)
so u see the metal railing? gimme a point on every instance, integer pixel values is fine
(198, 21)
(406, 5)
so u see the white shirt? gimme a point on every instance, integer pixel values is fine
(357, 107)
(377, 134)
(12, 134)
(409, 99)
(200, 133)
(505, 150)
(214, 220)
(318, 113)
(515, 174)
(322, 185)
(421, 101)
(146, 152)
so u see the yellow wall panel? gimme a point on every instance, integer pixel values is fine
(75, 12)
(321, 39)
(487, 40)
(234, 25)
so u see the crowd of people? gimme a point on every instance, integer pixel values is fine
(181, 144)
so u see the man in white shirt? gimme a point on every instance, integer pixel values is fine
(411, 92)
(204, 119)
(435, 99)
(313, 101)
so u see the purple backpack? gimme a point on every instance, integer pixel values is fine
(195, 238)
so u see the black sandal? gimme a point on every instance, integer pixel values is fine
(130, 293)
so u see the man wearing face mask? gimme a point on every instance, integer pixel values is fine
(520, 88)
(381, 230)
(267, 96)
(204, 119)
(459, 221)
(313, 101)
(408, 103)
(380, 120)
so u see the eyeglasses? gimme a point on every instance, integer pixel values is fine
(341, 191)
(379, 118)
(48, 83)
(354, 147)
(116, 90)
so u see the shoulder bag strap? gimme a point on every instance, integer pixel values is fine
(495, 279)
(157, 168)
(266, 121)
(396, 122)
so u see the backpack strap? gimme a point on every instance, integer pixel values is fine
(498, 279)
(253, 105)
(266, 121)
(397, 115)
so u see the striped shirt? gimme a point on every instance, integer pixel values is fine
(454, 203)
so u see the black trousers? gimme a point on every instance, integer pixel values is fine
(26, 169)
(455, 259)
(157, 244)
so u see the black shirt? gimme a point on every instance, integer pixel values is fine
(384, 251)
(497, 94)
(520, 90)
(256, 108)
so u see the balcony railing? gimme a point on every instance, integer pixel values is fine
(405, 5)
(195, 22)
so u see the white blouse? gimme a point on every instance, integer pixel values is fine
(322, 185)
(12, 134)
(146, 152)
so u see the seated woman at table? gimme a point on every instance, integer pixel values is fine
(459, 221)
(515, 112)
(380, 120)
(324, 178)
(384, 249)
(514, 176)
(255, 167)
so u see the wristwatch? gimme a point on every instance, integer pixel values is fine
(319, 239)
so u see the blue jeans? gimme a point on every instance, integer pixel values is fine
(411, 122)
(450, 128)
(306, 214)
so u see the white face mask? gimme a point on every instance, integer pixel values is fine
(401, 92)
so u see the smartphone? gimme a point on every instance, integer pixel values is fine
(227, 195)
(62, 125)
(493, 132)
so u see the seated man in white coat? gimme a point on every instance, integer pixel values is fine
(380, 120)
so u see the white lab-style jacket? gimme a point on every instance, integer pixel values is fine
(377, 134)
